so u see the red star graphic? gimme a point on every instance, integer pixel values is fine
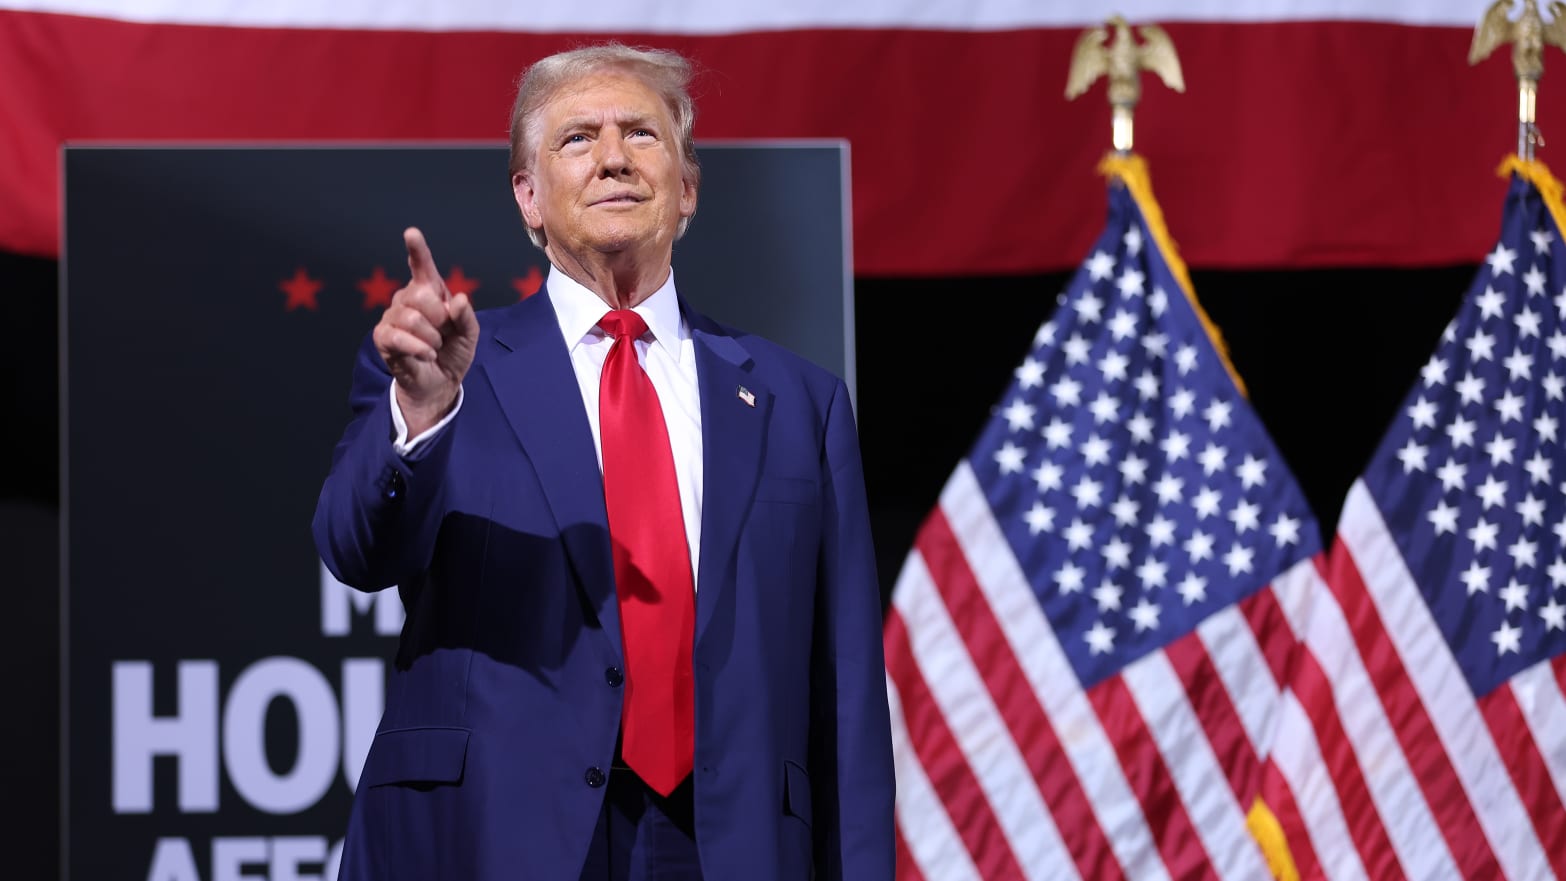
(529, 284)
(301, 291)
(458, 283)
(378, 290)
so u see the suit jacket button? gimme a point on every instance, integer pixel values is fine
(614, 677)
(392, 485)
(595, 777)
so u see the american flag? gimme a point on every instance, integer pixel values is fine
(1428, 723)
(1087, 644)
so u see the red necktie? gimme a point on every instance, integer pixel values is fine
(652, 564)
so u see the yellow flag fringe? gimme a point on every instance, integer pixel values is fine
(1131, 171)
(1538, 174)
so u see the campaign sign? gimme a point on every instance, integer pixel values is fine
(221, 688)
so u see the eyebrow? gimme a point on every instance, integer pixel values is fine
(630, 120)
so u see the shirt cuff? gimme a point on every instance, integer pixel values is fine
(401, 443)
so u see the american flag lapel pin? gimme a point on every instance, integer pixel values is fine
(748, 396)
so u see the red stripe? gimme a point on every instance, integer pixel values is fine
(1535, 785)
(1410, 721)
(1558, 664)
(1364, 822)
(1026, 720)
(1149, 778)
(1273, 634)
(907, 869)
(1278, 795)
(923, 203)
(1214, 708)
(943, 761)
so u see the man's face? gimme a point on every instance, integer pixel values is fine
(606, 176)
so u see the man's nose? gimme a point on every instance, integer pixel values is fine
(612, 158)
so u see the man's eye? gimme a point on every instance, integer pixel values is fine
(576, 139)
(642, 133)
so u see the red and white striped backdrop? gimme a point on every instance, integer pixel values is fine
(1313, 133)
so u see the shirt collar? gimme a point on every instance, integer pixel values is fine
(578, 310)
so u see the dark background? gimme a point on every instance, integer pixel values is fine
(1327, 356)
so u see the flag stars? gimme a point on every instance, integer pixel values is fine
(1199, 546)
(1444, 518)
(1168, 489)
(1145, 615)
(1412, 455)
(1010, 458)
(1161, 531)
(1039, 519)
(1048, 476)
(1523, 553)
(1461, 431)
(1176, 446)
(1510, 406)
(1100, 639)
(1104, 408)
(1125, 510)
(1158, 302)
(1123, 325)
(1476, 578)
(1067, 392)
(1238, 559)
(1030, 374)
(1491, 303)
(1507, 639)
(1117, 554)
(1483, 534)
(1538, 468)
(1077, 349)
(1156, 345)
(1107, 596)
(1185, 359)
(1253, 472)
(1141, 428)
(1131, 283)
(1554, 615)
(1557, 573)
(1079, 535)
(1088, 493)
(1245, 517)
(1153, 573)
(1545, 427)
(1133, 240)
(1095, 451)
(1500, 449)
(1534, 279)
(1146, 385)
(1452, 474)
(1217, 414)
(1069, 578)
(1519, 364)
(1213, 458)
(1527, 322)
(1100, 266)
(1182, 402)
(1501, 260)
(1045, 335)
(1557, 344)
(1285, 530)
(1090, 309)
(1193, 588)
(1481, 346)
(1422, 412)
(1531, 510)
(1541, 241)
(1492, 492)
(1471, 389)
(1133, 469)
(1434, 371)
(1057, 433)
(1019, 415)
(1207, 502)
(1560, 303)
(1113, 366)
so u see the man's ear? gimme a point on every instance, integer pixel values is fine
(527, 199)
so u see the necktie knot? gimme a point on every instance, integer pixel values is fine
(623, 323)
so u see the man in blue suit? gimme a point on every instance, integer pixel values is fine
(643, 632)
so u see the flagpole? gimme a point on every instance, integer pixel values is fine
(1119, 57)
(1529, 33)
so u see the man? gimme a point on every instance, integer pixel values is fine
(644, 634)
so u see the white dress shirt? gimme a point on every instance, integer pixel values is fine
(669, 358)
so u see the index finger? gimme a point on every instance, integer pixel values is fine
(420, 263)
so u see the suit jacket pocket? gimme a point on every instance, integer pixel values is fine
(416, 756)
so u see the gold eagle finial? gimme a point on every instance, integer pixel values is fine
(1529, 33)
(1122, 59)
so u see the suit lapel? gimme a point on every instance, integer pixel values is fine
(538, 393)
(735, 408)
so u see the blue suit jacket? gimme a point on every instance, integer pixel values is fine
(504, 696)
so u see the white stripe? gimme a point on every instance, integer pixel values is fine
(1543, 707)
(1243, 669)
(1399, 801)
(927, 830)
(1441, 687)
(1091, 756)
(978, 726)
(727, 16)
(1298, 758)
(1209, 801)
(1296, 589)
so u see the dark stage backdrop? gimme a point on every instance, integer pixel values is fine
(222, 689)
(1327, 355)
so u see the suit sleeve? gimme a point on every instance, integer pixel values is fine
(378, 512)
(851, 734)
